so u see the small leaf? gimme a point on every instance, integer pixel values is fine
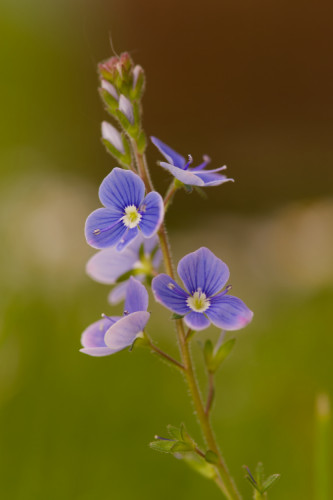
(220, 355)
(163, 446)
(174, 432)
(211, 457)
(185, 435)
(177, 316)
(201, 192)
(208, 352)
(260, 473)
(270, 481)
(181, 446)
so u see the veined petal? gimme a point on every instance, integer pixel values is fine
(92, 338)
(210, 178)
(171, 156)
(126, 239)
(120, 189)
(152, 210)
(157, 259)
(203, 270)
(123, 333)
(118, 293)
(136, 296)
(111, 134)
(97, 351)
(108, 265)
(185, 176)
(196, 321)
(228, 312)
(104, 228)
(170, 294)
(150, 243)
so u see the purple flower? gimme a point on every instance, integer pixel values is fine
(142, 256)
(126, 211)
(113, 334)
(179, 168)
(203, 275)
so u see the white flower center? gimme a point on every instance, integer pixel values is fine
(198, 302)
(132, 217)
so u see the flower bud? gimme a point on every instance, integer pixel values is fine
(111, 134)
(125, 107)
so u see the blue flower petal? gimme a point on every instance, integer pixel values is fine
(120, 189)
(98, 351)
(123, 333)
(108, 265)
(136, 296)
(172, 156)
(118, 293)
(202, 269)
(129, 235)
(185, 176)
(196, 321)
(92, 338)
(150, 243)
(170, 294)
(210, 178)
(152, 209)
(228, 312)
(103, 228)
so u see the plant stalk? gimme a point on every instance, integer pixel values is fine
(224, 480)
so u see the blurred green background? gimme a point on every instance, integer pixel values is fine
(250, 85)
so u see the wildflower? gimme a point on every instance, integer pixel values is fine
(126, 211)
(113, 334)
(203, 275)
(142, 257)
(180, 168)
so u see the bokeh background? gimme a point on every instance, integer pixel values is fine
(250, 84)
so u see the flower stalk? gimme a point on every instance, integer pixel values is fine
(224, 480)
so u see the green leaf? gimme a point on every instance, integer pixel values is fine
(163, 446)
(181, 446)
(177, 316)
(201, 192)
(211, 457)
(220, 355)
(270, 481)
(185, 436)
(208, 352)
(174, 432)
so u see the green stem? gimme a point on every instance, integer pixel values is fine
(224, 480)
(169, 195)
(166, 356)
(211, 393)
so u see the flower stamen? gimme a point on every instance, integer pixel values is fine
(132, 217)
(198, 302)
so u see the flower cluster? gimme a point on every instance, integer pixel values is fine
(125, 232)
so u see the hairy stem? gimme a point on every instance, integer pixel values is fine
(166, 356)
(223, 480)
(211, 393)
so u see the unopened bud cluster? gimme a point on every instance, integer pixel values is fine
(122, 86)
